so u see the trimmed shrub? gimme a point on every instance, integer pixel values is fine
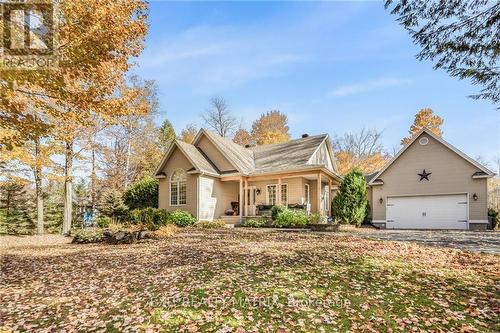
(181, 218)
(152, 218)
(255, 223)
(350, 204)
(142, 194)
(495, 218)
(215, 224)
(291, 218)
(276, 210)
(88, 235)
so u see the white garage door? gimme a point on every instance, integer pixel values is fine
(427, 212)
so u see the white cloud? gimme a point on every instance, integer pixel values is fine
(361, 87)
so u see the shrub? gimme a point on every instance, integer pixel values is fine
(152, 218)
(276, 210)
(142, 194)
(255, 223)
(165, 231)
(495, 218)
(350, 204)
(215, 224)
(88, 235)
(104, 221)
(112, 206)
(181, 218)
(291, 218)
(315, 218)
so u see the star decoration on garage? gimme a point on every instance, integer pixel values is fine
(424, 175)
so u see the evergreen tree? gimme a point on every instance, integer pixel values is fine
(15, 210)
(350, 204)
(112, 205)
(142, 194)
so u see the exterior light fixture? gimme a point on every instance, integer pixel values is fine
(475, 197)
(257, 191)
(381, 200)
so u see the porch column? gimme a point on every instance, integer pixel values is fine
(319, 194)
(241, 201)
(278, 192)
(330, 197)
(246, 197)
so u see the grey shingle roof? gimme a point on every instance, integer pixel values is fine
(288, 155)
(200, 162)
(241, 157)
(369, 176)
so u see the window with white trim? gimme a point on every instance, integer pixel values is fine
(178, 188)
(271, 194)
(284, 194)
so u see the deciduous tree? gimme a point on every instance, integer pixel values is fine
(218, 117)
(271, 127)
(424, 118)
(188, 133)
(242, 137)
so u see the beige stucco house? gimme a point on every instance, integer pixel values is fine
(429, 184)
(213, 175)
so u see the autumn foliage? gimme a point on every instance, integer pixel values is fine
(425, 118)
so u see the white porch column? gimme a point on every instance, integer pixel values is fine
(246, 197)
(241, 201)
(319, 194)
(278, 192)
(330, 197)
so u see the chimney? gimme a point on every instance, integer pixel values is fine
(305, 135)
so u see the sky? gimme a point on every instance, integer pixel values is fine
(331, 67)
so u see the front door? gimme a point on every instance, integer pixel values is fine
(250, 200)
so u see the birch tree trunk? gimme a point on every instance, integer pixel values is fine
(127, 161)
(93, 177)
(68, 189)
(38, 189)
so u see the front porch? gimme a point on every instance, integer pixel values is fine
(312, 191)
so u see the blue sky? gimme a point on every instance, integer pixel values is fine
(332, 67)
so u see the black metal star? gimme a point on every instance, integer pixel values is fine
(424, 175)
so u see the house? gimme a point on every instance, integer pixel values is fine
(216, 178)
(429, 184)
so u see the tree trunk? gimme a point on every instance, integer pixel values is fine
(38, 189)
(127, 162)
(68, 189)
(93, 177)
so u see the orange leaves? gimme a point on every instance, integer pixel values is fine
(271, 127)
(424, 118)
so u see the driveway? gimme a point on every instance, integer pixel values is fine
(475, 241)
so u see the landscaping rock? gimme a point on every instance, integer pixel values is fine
(324, 227)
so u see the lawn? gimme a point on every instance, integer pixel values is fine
(235, 280)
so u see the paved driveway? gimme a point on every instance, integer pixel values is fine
(474, 241)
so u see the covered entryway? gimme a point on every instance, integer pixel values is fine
(427, 212)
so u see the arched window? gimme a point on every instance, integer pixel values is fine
(178, 188)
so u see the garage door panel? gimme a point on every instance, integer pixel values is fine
(427, 212)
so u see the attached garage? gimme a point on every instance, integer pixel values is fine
(430, 184)
(427, 212)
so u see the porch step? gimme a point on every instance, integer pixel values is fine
(230, 219)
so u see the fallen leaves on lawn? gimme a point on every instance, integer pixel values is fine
(234, 280)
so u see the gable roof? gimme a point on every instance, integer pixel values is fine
(241, 158)
(292, 154)
(485, 172)
(195, 157)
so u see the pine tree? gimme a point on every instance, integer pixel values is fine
(112, 205)
(350, 204)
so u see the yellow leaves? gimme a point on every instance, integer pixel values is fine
(424, 118)
(188, 134)
(346, 162)
(271, 127)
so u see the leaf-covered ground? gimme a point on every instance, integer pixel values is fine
(235, 280)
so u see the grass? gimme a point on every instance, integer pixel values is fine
(234, 280)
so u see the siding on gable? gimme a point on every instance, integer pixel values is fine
(213, 153)
(176, 161)
(450, 174)
(322, 156)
